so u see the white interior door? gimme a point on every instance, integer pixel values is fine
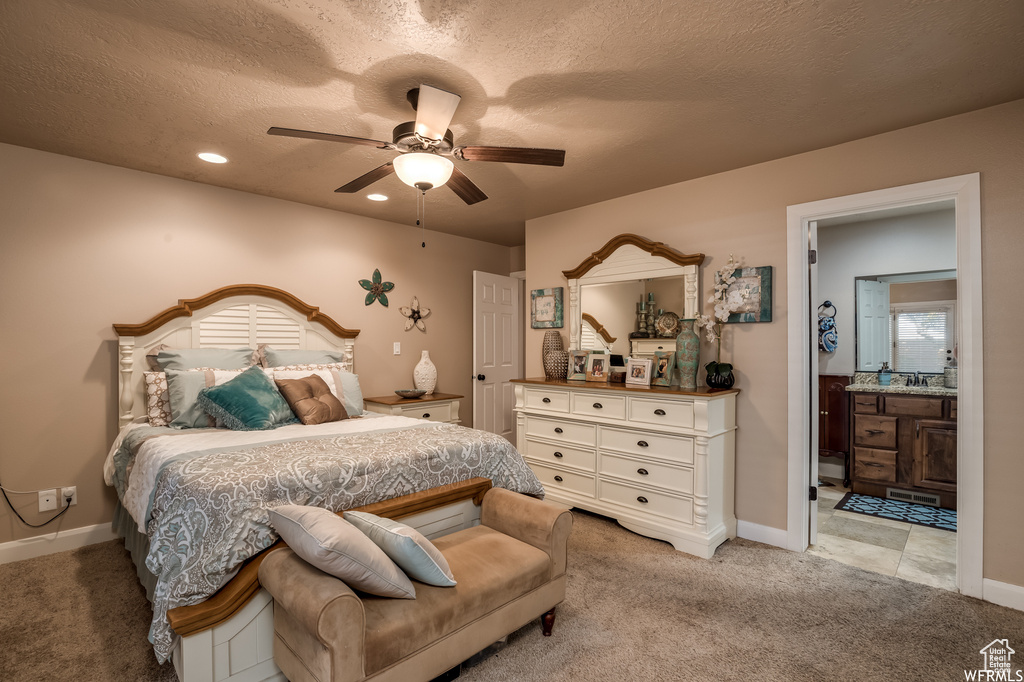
(812, 287)
(497, 312)
(872, 325)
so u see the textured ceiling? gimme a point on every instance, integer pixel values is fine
(639, 94)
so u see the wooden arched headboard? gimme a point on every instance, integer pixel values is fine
(241, 315)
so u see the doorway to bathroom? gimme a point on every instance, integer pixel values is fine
(963, 193)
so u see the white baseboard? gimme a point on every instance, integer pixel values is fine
(61, 541)
(1003, 594)
(758, 533)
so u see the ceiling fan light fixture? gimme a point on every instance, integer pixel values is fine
(377, 197)
(423, 170)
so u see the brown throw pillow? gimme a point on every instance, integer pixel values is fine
(311, 400)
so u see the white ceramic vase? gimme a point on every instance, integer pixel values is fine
(424, 375)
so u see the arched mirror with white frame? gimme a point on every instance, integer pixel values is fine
(606, 287)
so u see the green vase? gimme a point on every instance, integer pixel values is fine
(687, 355)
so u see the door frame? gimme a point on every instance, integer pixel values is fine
(802, 219)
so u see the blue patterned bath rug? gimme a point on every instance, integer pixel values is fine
(897, 510)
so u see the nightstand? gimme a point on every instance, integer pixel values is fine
(436, 407)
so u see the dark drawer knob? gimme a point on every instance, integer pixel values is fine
(546, 400)
(642, 472)
(873, 431)
(558, 429)
(559, 454)
(642, 443)
(598, 406)
(873, 464)
(642, 499)
(558, 478)
(426, 415)
(660, 413)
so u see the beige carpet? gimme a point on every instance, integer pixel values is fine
(636, 610)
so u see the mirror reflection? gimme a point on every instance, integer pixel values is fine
(907, 321)
(613, 308)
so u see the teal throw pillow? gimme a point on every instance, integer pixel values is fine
(249, 402)
(407, 547)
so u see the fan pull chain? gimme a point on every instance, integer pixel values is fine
(423, 220)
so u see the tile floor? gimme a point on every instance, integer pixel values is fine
(916, 553)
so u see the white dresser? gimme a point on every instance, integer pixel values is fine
(660, 461)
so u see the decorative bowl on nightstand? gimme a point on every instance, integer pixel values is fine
(410, 392)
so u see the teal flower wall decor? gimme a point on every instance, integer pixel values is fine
(378, 289)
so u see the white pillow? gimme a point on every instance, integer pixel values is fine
(407, 547)
(335, 546)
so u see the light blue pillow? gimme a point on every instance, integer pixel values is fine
(249, 402)
(351, 393)
(183, 388)
(279, 358)
(211, 358)
(407, 547)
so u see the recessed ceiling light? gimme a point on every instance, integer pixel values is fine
(377, 197)
(212, 158)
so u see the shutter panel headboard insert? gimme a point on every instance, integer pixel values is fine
(238, 316)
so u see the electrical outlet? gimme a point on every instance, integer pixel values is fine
(47, 500)
(398, 347)
(69, 491)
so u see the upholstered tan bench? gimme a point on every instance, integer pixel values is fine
(510, 570)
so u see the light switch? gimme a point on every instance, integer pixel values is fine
(398, 347)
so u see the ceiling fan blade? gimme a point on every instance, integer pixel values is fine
(539, 157)
(434, 111)
(465, 188)
(329, 137)
(367, 179)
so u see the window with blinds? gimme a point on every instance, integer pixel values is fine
(923, 335)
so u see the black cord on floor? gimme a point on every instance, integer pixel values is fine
(35, 525)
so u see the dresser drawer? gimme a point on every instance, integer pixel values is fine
(554, 401)
(865, 403)
(675, 448)
(912, 405)
(952, 408)
(561, 430)
(679, 479)
(675, 508)
(435, 412)
(650, 346)
(552, 477)
(661, 412)
(874, 431)
(560, 454)
(597, 405)
(874, 465)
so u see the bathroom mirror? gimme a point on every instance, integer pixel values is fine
(607, 286)
(906, 320)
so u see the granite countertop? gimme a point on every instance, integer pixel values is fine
(868, 381)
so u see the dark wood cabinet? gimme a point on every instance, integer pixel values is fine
(834, 420)
(906, 442)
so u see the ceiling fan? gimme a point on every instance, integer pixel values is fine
(424, 146)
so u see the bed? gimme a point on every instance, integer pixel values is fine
(193, 494)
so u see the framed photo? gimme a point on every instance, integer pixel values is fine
(546, 308)
(757, 282)
(664, 363)
(598, 367)
(638, 371)
(578, 365)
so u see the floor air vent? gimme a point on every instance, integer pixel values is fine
(908, 496)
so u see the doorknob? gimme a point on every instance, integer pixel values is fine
(480, 377)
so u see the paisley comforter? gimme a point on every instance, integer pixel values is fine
(201, 495)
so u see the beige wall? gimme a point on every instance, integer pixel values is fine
(918, 292)
(744, 212)
(85, 245)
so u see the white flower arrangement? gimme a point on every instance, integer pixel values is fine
(725, 304)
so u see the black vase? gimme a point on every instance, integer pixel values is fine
(718, 382)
